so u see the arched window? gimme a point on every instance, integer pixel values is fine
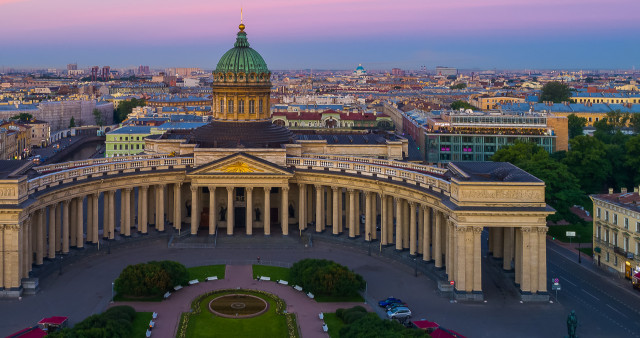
(230, 107)
(241, 106)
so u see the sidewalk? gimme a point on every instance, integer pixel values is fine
(238, 276)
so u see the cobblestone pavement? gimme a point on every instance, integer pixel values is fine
(238, 276)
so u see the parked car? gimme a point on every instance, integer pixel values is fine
(388, 301)
(399, 312)
(395, 305)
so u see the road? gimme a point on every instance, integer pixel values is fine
(608, 306)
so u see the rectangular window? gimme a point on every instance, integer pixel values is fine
(615, 239)
(606, 235)
(626, 223)
(230, 107)
(222, 105)
(598, 212)
(607, 257)
(599, 232)
(615, 219)
(626, 244)
(637, 226)
(260, 108)
(240, 106)
(606, 215)
(252, 107)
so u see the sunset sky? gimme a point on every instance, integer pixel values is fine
(324, 34)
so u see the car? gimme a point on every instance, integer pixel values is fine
(399, 313)
(395, 305)
(389, 301)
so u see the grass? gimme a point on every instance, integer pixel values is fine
(334, 323)
(140, 324)
(276, 273)
(337, 299)
(202, 272)
(584, 230)
(206, 324)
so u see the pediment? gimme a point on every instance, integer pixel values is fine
(241, 164)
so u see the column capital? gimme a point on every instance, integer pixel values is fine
(301, 185)
(178, 184)
(211, 188)
(193, 188)
(461, 228)
(334, 189)
(396, 198)
(66, 203)
(144, 187)
(96, 195)
(525, 229)
(543, 230)
(424, 207)
(412, 204)
(366, 193)
(161, 185)
(351, 190)
(285, 188)
(229, 189)
(128, 189)
(249, 189)
(267, 189)
(476, 230)
(318, 186)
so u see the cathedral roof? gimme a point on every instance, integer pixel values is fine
(242, 58)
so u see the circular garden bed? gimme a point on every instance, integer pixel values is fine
(238, 305)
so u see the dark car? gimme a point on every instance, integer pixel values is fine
(389, 301)
(395, 305)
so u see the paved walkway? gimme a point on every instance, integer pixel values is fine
(306, 310)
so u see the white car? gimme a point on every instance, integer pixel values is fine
(399, 312)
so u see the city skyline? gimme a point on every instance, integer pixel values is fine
(324, 34)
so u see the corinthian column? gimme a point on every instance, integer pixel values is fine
(194, 210)
(284, 211)
(230, 211)
(249, 211)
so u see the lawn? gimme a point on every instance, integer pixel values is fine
(206, 324)
(334, 323)
(140, 324)
(584, 230)
(276, 273)
(202, 272)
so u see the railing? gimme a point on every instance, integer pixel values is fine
(85, 163)
(381, 162)
(98, 168)
(416, 174)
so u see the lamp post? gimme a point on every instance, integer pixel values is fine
(579, 256)
(112, 287)
(369, 235)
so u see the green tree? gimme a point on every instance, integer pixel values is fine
(576, 124)
(461, 104)
(460, 85)
(72, 122)
(326, 278)
(97, 115)
(634, 123)
(587, 161)
(555, 91)
(562, 189)
(22, 117)
(125, 108)
(633, 157)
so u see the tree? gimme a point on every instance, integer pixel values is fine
(634, 123)
(556, 92)
(576, 124)
(22, 117)
(150, 279)
(72, 122)
(97, 115)
(460, 85)
(562, 189)
(587, 161)
(326, 278)
(455, 105)
(125, 108)
(633, 157)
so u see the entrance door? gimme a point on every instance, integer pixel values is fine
(240, 217)
(274, 215)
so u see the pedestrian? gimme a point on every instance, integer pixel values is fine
(258, 259)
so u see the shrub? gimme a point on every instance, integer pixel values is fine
(115, 322)
(340, 314)
(326, 278)
(150, 279)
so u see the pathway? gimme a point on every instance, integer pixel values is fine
(241, 276)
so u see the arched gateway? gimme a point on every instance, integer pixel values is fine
(240, 166)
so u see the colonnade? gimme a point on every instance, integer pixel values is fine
(423, 229)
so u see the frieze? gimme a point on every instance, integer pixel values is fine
(7, 192)
(491, 194)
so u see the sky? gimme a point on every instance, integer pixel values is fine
(324, 34)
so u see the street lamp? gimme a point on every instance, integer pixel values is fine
(579, 256)
(112, 287)
(369, 235)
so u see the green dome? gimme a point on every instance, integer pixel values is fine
(241, 58)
